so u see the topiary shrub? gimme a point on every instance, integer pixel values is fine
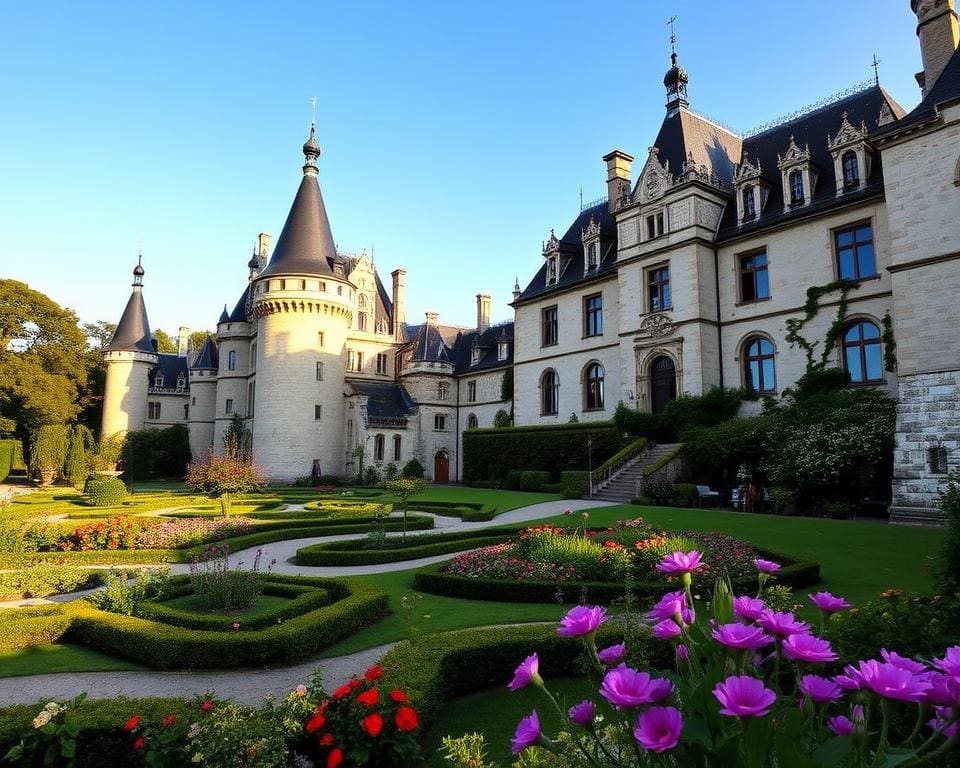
(7, 451)
(413, 468)
(48, 450)
(658, 490)
(513, 480)
(105, 491)
(533, 479)
(685, 495)
(641, 501)
(573, 484)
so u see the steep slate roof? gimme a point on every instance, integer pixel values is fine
(488, 343)
(429, 344)
(171, 366)
(945, 90)
(811, 129)
(239, 314)
(133, 330)
(386, 403)
(209, 356)
(573, 265)
(687, 133)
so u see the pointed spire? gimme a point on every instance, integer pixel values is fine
(133, 330)
(224, 316)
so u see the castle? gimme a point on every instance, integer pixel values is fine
(679, 281)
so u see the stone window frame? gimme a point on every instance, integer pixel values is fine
(594, 314)
(382, 363)
(745, 358)
(228, 406)
(397, 447)
(472, 391)
(439, 422)
(648, 286)
(938, 460)
(862, 343)
(317, 412)
(853, 226)
(232, 360)
(472, 422)
(741, 272)
(588, 379)
(379, 447)
(551, 408)
(153, 410)
(553, 323)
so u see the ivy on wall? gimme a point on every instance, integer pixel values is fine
(889, 344)
(811, 308)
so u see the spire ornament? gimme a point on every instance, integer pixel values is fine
(138, 271)
(311, 150)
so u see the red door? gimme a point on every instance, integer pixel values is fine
(441, 468)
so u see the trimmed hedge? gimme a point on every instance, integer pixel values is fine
(338, 506)
(8, 452)
(162, 646)
(795, 573)
(573, 483)
(26, 627)
(470, 512)
(40, 581)
(105, 491)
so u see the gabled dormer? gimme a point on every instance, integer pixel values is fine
(852, 156)
(799, 176)
(591, 246)
(752, 190)
(551, 253)
(475, 353)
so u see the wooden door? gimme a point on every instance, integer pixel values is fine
(441, 468)
(663, 383)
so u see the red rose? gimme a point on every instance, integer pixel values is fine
(138, 744)
(373, 724)
(326, 740)
(369, 698)
(335, 758)
(406, 718)
(132, 723)
(169, 720)
(342, 691)
(315, 723)
(374, 673)
(354, 683)
(398, 695)
(206, 705)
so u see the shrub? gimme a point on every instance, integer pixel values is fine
(782, 500)
(76, 463)
(513, 480)
(150, 453)
(390, 471)
(345, 507)
(7, 452)
(658, 490)
(191, 532)
(533, 479)
(948, 566)
(105, 491)
(573, 483)
(366, 552)
(713, 455)
(27, 627)
(403, 488)
(413, 468)
(122, 594)
(48, 449)
(837, 509)
(372, 476)
(642, 501)
(685, 494)
(219, 588)
(220, 477)
(42, 579)
(118, 532)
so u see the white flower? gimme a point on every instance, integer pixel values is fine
(197, 757)
(193, 731)
(42, 719)
(53, 708)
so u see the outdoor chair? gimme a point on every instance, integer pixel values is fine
(705, 492)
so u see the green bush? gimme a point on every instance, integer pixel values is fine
(948, 566)
(27, 627)
(152, 453)
(8, 449)
(712, 455)
(48, 449)
(685, 495)
(40, 580)
(574, 484)
(486, 512)
(513, 480)
(551, 487)
(413, 468)
(642, 501)
(782, 500)
(105, 491)
(533, 479)
(658, 489)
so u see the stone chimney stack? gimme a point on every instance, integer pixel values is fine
(618, 175)
(483, 312)
(263, 249)
(399, 311)
(939, 33)
(431, 317)
(183, 341)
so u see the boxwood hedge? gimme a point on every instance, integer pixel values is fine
(26, 627)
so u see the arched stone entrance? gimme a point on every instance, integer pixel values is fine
(441, 467)
(663, 383)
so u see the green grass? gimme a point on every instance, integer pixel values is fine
(45, 659)
(192, 604)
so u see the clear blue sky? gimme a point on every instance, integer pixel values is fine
(454, 134)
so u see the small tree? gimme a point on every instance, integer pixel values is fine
(220, 477)
(948, 568)
(403, 488)
(48, 451)
(237, 440)
(77, 463)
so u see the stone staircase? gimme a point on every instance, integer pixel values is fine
(623, 486)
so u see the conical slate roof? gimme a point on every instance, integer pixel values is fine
(133, 330)
(209, 356)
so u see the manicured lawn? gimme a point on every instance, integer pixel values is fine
(42, 659)
(192, 604)
(504, 501)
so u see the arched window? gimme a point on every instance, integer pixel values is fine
(396, 447)
(796, 187)
(232, 360)
(549, 393)
(472, 421)
(378, 447)
(851, 170)
(863, 352)
(593, 387)
(749, 206)
(759, 371)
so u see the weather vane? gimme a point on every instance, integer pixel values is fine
(876, 69)
(673, 34)
(313, 103)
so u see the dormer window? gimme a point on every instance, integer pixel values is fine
(752, 190)
(551, 252)
(592, 256)
(852, 155)
(655, 225)
(474, 355)
(799, 175)
(181, 383)
(158, 381)
(749, 203)
(796, 188)
(551, 271)
(503, 351)
(851, 170)
(590, 237)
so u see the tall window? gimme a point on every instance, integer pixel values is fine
(593, 315)
(443, 389)
(796, 188)
(396, 447)
(758, 364)
(594, 386)
(181, 383)
(654, 225)
(472, 421)
(186, 412)
(153, 410)
(361, 321)
(251, 395)
(253, 356)
(658, 289)
(320, 339)
(549, 393)
(378, 447)
(855, 257)
(319, 370)
(381, 362)
(232, 360)
(317, 412)
(851, 170)
(551, 270)
(863, 352)
(749, 204)
(503, 349)
(228, 406)
(592, 255)
(439, 421)
(472, 391)
(754, 283)
(548, 326)
(354, 361)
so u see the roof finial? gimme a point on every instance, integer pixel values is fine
(673, 38)
(876, 69)
(311, 150)
(138, 270)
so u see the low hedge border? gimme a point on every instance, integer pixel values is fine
(467, 511)
(346, 506)
(163, 646)
(794, 573)
(26, 627)
(356, 553)
(40, 581)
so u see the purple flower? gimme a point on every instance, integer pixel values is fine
(749, 608)
(658, 728)
(892, 682)
(850, 680)
(613, 654)
(625, 687)
(528, 672)
(944, 689)
(582, 620)
(892, 657)
(828, 603)
(945, 722)
(808, 648)
(683, 653)
(744, 696)
(582, 713)
(950, 663)
(820, 690)
(840, 725)
(666, 630)
(681, 562)
(766, 566)
(670, 605)
(741, 636)
(782, 624)
(527, 733)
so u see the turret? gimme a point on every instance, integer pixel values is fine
(203, 398)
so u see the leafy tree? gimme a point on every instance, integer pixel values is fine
(237, 440)
(197, 339)
(149, 453)
(90, 397)
(220, 477)
(165, 342)
(403, 488)
(99, 334)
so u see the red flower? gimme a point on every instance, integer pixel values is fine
(315, 723)
(374, 673)
(373, 724)
(206, 705)
(132, 723)
(398, 695)
(354, 683)
(342, 691)
(138, 744)
(326, 740)
(169, 720)
(335, 758)
(369, 698)
(406, 718)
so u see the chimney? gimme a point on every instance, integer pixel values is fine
(432, 317)
(618, 176)
(516, 288)
(399, 312)
(263, 249)
(183, 341)
(483, 312)
(939, 34)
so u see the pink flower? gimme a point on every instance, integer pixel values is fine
(766, 566)
(808, 648)
(749, 608)
(235, 626)
(681, 562)
(583, 713)
(625, 687)
(828, 603)
(820, 690)
(670, 605)
(892, 682)
(744, 696)
(582, 620)
(658, 728)
(527, 733)
(950, 663)
(840, 725)
(850, 680)
(666, 630)
(683, 653)
(528, 672)
(613, 654)
(782, 624)
(741, 636)
(300, 691)
(944, 689)
(945, 722)
(892, 657)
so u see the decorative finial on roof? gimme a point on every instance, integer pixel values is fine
(311, 150)
(673, 37)
(676, 79)
(876, 69)
(138, 270)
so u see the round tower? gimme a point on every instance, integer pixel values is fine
(303, 304)
(203, 398)
(235, 345)
(129, 357)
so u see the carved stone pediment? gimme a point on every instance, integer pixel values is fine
(551, 246)
(592, 231)
(886, 115)
(657, 326)
(793, 156)
(656, 178)
(747, 171)
(847, 135)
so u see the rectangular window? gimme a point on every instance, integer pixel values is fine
(186, 412)
(658, 289)
(592, 255)
(251, 394)
(593, 315)
(317, 412)
(472, 391)
(937, 460)
(153, 410)
(354, 361)
(439, 422)
(320, 339)
(855, 257)
(442, 388)
(228, 407)
(396, 447)
(654, 225)
(232, 360)
(319, 371)
(548, 321)
(382, 362)
(754, 282)
(361, 321)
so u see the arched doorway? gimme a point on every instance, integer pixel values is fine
(441, 467)
(663, 383)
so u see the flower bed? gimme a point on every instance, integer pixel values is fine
(178, 534)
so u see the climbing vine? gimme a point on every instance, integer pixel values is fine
(810, 310)
(889, 344)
